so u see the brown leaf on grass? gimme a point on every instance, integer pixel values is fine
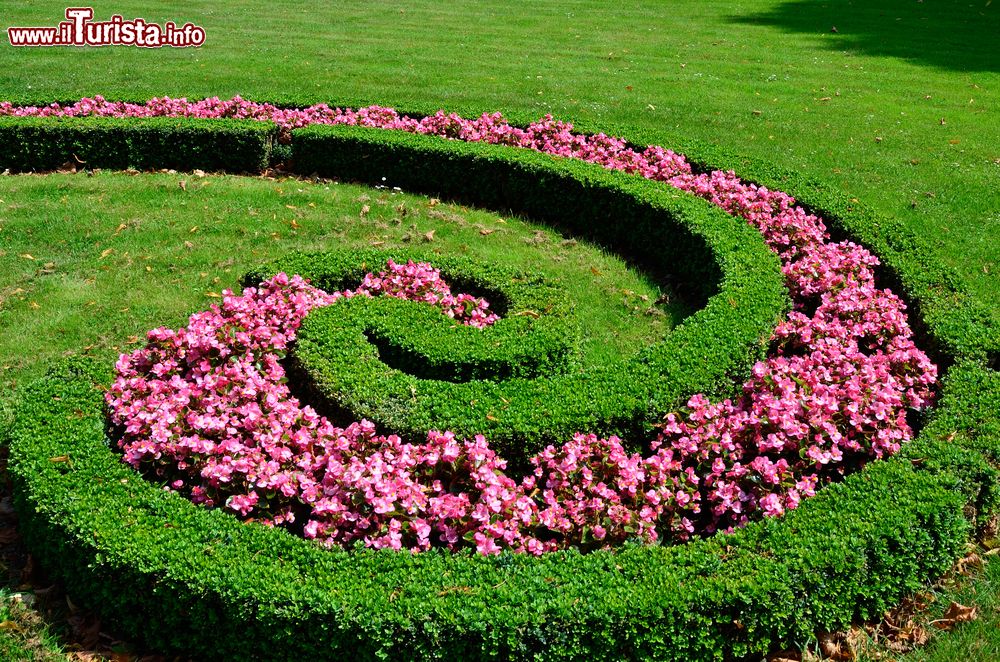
(85, 656)
(906, 639)
(183, 184)
(364, 210)
(957, 613)
(970, 563)
(834, 646)
(486, 232)
(429, 236)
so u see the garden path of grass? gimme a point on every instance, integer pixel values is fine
(96, 261)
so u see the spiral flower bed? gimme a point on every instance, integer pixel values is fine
(833, 394)
(198, 582)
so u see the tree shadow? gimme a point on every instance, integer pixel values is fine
(960, 35)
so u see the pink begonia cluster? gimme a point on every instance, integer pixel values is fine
(832, 395)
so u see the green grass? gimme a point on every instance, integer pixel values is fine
(978, 641)
(770, 79)
(23, 633)
(898, 107)
(95, 262)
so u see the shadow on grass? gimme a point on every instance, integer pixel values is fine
(959, 35)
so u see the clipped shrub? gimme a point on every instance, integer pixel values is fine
(195, 581)
(665, 230)
(49, 143)
(950, 322)
(537, 334)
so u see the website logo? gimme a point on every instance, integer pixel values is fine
(79, 29)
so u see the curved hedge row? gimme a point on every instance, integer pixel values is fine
(664, 229)
(199, 582)
(537, 334)
(951, 322)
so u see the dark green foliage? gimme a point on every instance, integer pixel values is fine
(198, 582)
(538, 334)
(660, 229)
(949, 322)
(51, 143)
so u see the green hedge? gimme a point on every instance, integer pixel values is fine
(537, 335)
(49, 143)
(197, 582)
(663, 229)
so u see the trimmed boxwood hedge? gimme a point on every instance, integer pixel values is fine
(663, 229)
(950, 322)
(185, 579)
(197, 581)
(537, 335)
(49, 143)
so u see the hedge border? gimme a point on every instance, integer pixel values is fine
(215, 587)
(951, 323)
(39, 144)
(772, 583)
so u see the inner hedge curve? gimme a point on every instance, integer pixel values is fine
(212, 586)
(667, 230)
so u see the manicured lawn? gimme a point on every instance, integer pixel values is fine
(895, 101)
(898, 106)
(95, 262)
